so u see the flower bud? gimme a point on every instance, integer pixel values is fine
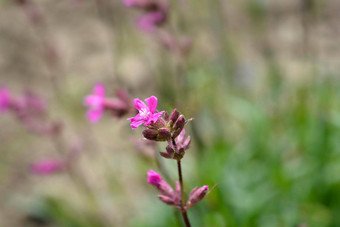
(166, 199)
(166, 116)
(162, 186)
(179, 125)
(181, 151)
(165, 155)
(154, 178)
(186, 143)
(174, 115)
(160, 123)
(170, 150)
(150, 134)
(196, 195)
(164, 134)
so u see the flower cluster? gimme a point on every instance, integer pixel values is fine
(171, 197)
(30, 110)
(169, 128)
(154, 13)
(98, 103)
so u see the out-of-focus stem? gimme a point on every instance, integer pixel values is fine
(161, 166)
(184, 212)
(179, 168)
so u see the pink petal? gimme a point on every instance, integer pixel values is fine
(136, 124)
(152, 102)
(154, 117)
(93, 101)
(99, 90)
(94, 115)
(139, 104)
(154, 178)
(135, 118)
(180, 137)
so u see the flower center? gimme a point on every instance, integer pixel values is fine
(144, 113)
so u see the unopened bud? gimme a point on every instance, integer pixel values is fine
(186, 143)
(181, 152)
(164, 134)
(170, 150)
(165, 155)
(150, 134)
(165, 189)
(196, 195)
(154, 178)
(160, 123)
(178, 126)
(166, 116)
(174, 115)
(162, 186)
(166, 199)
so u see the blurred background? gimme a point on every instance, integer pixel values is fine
(260, 77)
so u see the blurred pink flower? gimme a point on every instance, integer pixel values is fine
(146, 113)
(130, 3)
(154, 178)
(196, 195)
(95, 102)
(5, 99)
(47, 166)
(149, 21)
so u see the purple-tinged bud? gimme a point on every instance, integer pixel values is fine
(164, 134)
(165, 155)
(160, 123)
(150, 134)
(179, 125)
(174, 116)
(166, 116)
(196, 195)
(186, 143)
(166, 199)
(154, 178)
(165, 189)
(170, 150)
(162, 186)
(181, 151)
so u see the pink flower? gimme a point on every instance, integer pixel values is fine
(95, 102)
(196, 195)
(154, 178)
(130, 3)
(150, 20)
(47, 166)
(146, 113)
(5, 99)
(162, 186)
